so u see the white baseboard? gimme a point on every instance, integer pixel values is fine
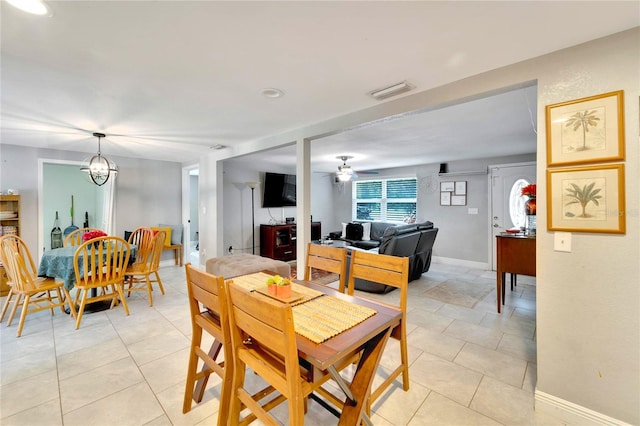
(571, 413)
(460, 262)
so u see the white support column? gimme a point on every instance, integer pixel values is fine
(210, 210)
(303, 200)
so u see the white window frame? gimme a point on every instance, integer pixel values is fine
(383, 201)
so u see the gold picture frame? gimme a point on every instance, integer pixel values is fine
(587, 130)
(586, 199)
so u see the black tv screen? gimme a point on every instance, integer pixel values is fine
(279, 190)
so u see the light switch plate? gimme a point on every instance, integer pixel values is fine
(472, 210)
(562, 241)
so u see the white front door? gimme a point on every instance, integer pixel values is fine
(507, 205)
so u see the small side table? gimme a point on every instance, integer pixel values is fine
(517, 255)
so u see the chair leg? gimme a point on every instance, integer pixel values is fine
(196, 339)
(296, 409)
(50, 299)
(129, 279)
(120, 288)
(23, 314)
(14, 309)
(159, 281)
(404, 354)
(72, 306)
(60, 300)
(83, 302)
(149, 289)
(6, 304)
(237, 383)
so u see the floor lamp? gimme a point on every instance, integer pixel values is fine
(253, 186)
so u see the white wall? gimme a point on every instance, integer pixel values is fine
(237, 205)
(588, 301)
(148, 192)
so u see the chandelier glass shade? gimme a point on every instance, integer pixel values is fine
(99, 168)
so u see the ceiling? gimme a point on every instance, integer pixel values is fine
(167, 80)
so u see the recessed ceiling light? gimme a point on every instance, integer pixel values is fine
(35, 7)
(272, 93)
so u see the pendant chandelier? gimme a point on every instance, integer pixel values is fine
(98, 167)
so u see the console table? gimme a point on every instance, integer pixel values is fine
(516, 255)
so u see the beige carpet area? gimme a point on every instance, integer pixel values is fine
(460, 293)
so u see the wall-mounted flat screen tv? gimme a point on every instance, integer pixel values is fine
(279, 190)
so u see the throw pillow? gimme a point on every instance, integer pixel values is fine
(354, 231)
(366, 231)
(176, 233)
(167, 230)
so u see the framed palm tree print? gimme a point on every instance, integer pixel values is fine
(586, 199)
(587, 130)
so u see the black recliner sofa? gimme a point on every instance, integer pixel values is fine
(414, 241)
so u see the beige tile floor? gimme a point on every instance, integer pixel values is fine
(468, 366)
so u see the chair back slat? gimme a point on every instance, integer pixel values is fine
(204, 288)
(101, 261)
(142, 238)
(263, 319)
(18, 262)
(157, 245)
(75, 237)
(325, 258)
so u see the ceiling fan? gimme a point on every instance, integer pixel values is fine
(345, 173)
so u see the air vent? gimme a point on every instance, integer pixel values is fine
(390, 91)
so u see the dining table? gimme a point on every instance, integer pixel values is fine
(325, 355)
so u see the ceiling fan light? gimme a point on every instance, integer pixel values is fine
(344, 177)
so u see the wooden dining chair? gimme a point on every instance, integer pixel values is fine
(263, 339)
(392, 271)
(208, 308)
(326, 258)
(138, 273)
(37, 293)
(100, 265)
(75, 237)
(142, 238)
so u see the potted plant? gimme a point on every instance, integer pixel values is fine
(283, 289)
(272, 284)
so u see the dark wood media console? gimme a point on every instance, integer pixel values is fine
(279, 241)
